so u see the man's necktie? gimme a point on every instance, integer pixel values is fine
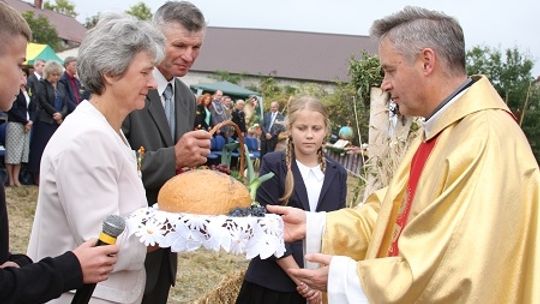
(272, 119)
(169, 108)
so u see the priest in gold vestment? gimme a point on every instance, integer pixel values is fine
(459, 222)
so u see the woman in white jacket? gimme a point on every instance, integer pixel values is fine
(88, 169)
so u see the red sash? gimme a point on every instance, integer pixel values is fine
(417, 166)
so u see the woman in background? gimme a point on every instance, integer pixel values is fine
(53, 108)
(18, 135)
(304, 178)
(203, 116)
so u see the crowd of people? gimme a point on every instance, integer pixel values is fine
(215, 108)
(458, 223)
(268, 130)
(46, 97)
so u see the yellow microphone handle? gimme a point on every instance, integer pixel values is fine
(107, 239)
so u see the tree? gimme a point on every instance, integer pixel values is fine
(91, 21)
(42, 30)
(63, 7)
(140, 10)
(365, 73)
(511, 75)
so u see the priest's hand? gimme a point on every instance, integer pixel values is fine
(294, 219)
(315, 278)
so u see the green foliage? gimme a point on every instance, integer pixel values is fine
(63, 7)
(341, 111)
(365, 73)
(339, 102)
(226, 76)
(42, 31)
(531, 120)
(511, 75)
(271, 91)
(140, 11)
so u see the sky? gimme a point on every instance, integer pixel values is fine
(493, 23)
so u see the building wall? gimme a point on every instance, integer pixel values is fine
(196, 77)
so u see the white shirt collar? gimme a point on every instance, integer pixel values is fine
(37, 75)
(313, 180)
(429, 124)
(162, 82)
(311, 172)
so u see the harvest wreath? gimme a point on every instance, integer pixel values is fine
(210, 209)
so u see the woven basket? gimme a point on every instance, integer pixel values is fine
(240, 140)
(226, 292)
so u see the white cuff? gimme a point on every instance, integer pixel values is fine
(343, 282)
(315, 222)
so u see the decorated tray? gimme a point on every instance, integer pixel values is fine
(250, 235)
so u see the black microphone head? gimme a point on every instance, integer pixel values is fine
(114, 225)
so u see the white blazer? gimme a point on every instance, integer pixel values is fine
(88, 171)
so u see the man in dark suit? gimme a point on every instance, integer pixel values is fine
(72, 85)
(32, 83)
(239, 117)
(164, 127)
(36, 76)
(272, 125)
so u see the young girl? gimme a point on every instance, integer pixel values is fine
(305, 179)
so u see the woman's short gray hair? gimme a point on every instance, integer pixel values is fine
(416, 28)
(110, 46)
(52, 67)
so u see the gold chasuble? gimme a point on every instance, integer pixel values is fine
(472, 234)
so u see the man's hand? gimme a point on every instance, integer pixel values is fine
(315, 278)
(294, 219)
(192, 148)
(96, 262)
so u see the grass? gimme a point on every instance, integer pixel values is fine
(203, 276)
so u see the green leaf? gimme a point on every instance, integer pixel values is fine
(250, 170)
(254, 185)
(266, 177)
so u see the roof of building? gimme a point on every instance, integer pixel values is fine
(284, 54)
(67, 28)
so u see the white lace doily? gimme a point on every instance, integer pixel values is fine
(252, 236)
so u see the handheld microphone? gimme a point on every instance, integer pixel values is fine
(113, 226)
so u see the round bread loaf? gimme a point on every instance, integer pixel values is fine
(203, 191)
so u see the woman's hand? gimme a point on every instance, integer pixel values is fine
(57, 116)
(315, 278)
(313, 296)
(28, 126)
(152, 248)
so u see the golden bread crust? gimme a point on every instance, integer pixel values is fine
(203, 191)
